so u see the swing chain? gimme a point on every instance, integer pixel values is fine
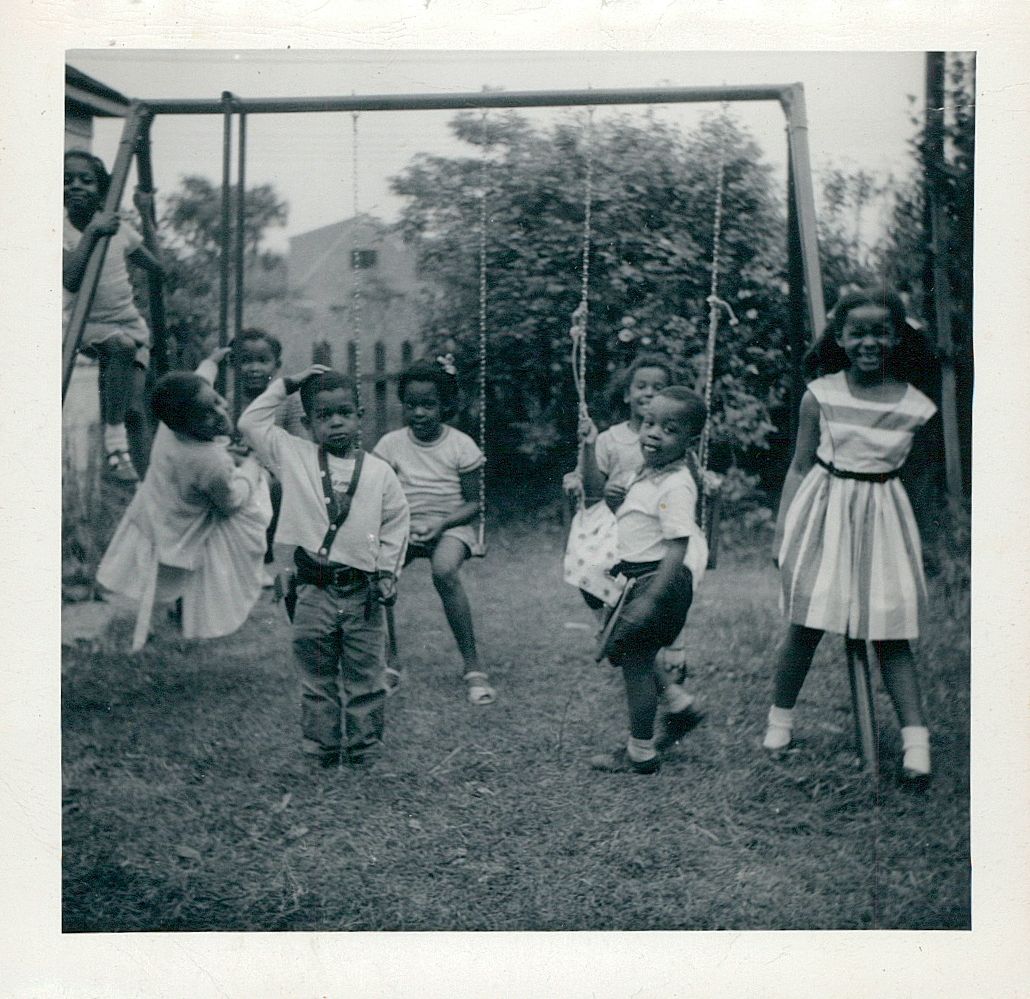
(482, 330)
(714, 303)
(356, 302)
(581, 314)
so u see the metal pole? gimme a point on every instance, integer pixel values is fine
(933, 166)
(145, 175)
(223, 295)
(479, 100)
(84, 298)
(804, 195)
(241, 220)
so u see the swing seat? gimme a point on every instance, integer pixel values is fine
(478, 549)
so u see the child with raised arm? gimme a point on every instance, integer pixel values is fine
(439, 468)
(662, 553)
(846, 542)
(115, 332)
(195, 529)
(346, 515)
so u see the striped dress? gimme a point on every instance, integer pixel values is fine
(850, 561)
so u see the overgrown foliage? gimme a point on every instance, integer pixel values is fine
(652, 203)
(190, 228)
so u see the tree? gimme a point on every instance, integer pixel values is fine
(190, 232)
(652, 203)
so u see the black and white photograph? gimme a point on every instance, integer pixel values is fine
(696, 348)
(514, 498)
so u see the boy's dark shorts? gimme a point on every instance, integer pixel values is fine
(661, 628)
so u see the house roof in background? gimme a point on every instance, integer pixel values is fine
(85, 94)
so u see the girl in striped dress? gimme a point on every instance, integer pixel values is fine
(846, 543)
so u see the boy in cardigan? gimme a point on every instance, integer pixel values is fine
(663, 553)
(346, 514)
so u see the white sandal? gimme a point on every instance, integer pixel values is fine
(479, 690)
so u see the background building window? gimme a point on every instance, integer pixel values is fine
(362, 260)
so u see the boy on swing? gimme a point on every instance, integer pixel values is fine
(662, 553)
(345, 512)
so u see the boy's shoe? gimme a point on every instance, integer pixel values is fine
(620, 763)
(676, 725)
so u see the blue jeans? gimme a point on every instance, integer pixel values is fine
(341, 657)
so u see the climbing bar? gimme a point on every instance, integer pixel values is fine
(478, 101)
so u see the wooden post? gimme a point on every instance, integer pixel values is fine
(933, 167)
(87, 289)
(863, 706)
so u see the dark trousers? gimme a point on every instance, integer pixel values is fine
(339, 648)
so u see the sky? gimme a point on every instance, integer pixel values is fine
(859, 111)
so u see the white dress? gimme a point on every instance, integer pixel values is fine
(851, 560)
(195, 530)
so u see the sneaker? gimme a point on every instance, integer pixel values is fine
(620, 763)
(676, 725)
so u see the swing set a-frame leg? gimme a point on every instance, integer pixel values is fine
(862, 705)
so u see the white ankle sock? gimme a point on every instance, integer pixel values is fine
(915, 747)
(115, 437)
(779, 729)
(640, 750)
(677, 699)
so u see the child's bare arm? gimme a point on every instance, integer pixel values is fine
(593, 477)
(142, 257)
(73, 265)
(801, 463)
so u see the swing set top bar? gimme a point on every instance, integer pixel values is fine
(783, 93)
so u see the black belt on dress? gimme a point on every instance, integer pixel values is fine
(842, 473)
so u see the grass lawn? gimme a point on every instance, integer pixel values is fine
(187, 804)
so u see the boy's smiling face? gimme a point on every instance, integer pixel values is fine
(334, 420)
(664, 432)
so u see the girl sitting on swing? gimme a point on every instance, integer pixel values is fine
(438, 467)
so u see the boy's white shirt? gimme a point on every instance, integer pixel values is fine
(660, 506)
(375, 533)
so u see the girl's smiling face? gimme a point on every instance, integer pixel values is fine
(422, 410)
(868, 338)
(644, 386)
(81, 188)
(257, 365)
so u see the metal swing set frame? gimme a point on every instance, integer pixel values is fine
(806, 308)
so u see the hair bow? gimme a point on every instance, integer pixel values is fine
(446, 361)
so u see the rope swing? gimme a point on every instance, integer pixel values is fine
(356, 302)
(479, 549)
(709, 482)
(581, 315)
